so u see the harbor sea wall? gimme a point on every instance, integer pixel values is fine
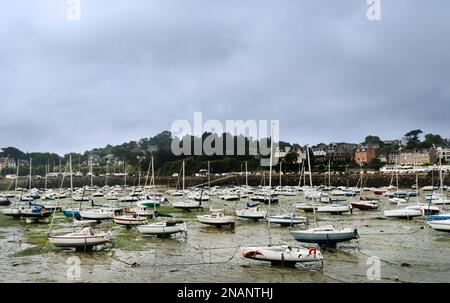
(336, 179)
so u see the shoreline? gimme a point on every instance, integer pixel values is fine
(336, 179)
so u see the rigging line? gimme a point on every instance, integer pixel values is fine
(200, 263)
(392, 234)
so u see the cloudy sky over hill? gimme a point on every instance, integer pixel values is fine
(128, 69)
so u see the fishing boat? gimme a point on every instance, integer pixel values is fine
(282, 254)
(252, 213)
(163, 228)
(440, 225)
(129, 220)
(325, 235)
(334, 209)
(217, 219)
(85, 239)
(287, 220)
(364, 205)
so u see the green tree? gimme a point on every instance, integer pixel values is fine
(375, 164)
(412, 139)
(431, 140)
(373, 140)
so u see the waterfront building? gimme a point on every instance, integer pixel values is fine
(365, 154)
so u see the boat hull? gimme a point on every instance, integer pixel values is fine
(78, 242)
(324, 239)
(161, 230)
(282, 255)
(440, 225)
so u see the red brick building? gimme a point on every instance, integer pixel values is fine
(364, 154)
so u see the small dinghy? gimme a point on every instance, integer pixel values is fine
(403, 213)
(282, 254)
(4, 201)
(426, 209)
(85, 239)
(439, 217)
(307, 208)
(141, 212)
(188, 205)
(287, 220)
(397, 200)
(162, 229)
(126, 199)
(217, 219)
(230, 197)
(11, 212)
(201, 197)
(265, 199)
(325, 235)
(440, 225)
(334, 209)
(73, 212)
(252, 213)
(364, 205)
(80, 198)
(129, 220)
(80, 223)
(97, 214)
(149, 202)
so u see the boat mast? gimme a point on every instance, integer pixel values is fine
(46, 174)
(309, 166)
(209, 177)
(152, 181)
(441, 181)
(17, 172)
(270, 184)
(71, 175)
(280, 172)
(329, 172)
(183, 178)
(30, 173)
(246, 174)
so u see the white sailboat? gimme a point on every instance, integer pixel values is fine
(163, 229)
(217, 219)
(252, 213)
(187, 204)
(85, 239)
(280, 254)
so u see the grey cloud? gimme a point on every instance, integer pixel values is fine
(128, 69)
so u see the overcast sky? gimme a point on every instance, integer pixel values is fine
(128, 69)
